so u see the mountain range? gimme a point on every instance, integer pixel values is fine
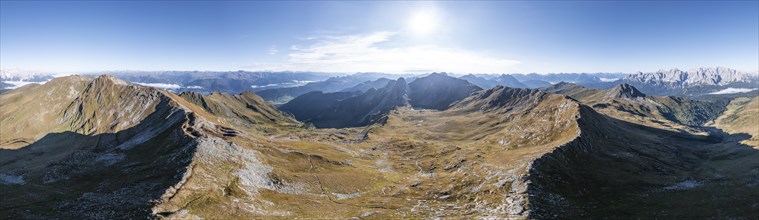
(695, 82)
(281, 87)
(435, 146)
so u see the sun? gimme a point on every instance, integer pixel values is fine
(424, 22)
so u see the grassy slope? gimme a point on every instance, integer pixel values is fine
(476, 159)
(741, 117)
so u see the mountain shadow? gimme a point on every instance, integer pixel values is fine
(617, 169)
(438, 91)
(105, 176)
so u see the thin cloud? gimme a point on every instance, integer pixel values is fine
(362, 53)
(272, 50)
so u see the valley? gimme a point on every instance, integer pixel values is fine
(363, 110)
(434, 147)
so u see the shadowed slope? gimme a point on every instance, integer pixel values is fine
(109, 149)
(310, 105)
(616, 169)
(438, 91)
(83, 105)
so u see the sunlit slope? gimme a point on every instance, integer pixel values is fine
(401, 169)
(498, 153)
(741, 117)
(244, 110)
(78, 104)
(98, 144)
(627, 103)
(107, 149)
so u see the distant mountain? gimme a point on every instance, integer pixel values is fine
(346, 109)
(227, 82)
(198, 81)
(693, 82)
(308, 106)
(362, 109)
(508, 81)
(487, 82)
(480, 81)
(438, 91)
(364, 86)
(25, 76)
(534, 83)
(579, 78)
(535, 80)
(719, 76)
(332, 84)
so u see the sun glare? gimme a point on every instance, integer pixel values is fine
(423, 22)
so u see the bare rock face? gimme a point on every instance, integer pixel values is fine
(694, 77)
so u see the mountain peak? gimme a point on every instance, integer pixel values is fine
(439, 91)
(109, 79)
(502, 98)
(625, 90)
(711, 76)
(440, 74)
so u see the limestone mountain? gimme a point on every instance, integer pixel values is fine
(694, 82)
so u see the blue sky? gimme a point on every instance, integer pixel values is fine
(397, 37)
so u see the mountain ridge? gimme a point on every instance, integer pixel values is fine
(500, 153)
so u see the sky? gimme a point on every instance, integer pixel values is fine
(382, 36)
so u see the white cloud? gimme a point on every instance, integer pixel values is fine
(362, 53)
(273, 50)
(160, 85)
(17, 84)
(732, 91)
